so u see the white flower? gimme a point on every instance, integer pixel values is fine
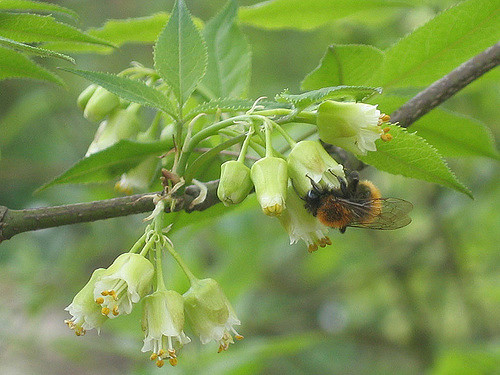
(162, 323)
(126, 281)
(301, 225)
(86, 314)
(210, 313)
(308, 161)
(352, 126)
(269, 176)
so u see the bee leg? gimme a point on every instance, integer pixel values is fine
(342, 230)
(314, 184)
(343, 185)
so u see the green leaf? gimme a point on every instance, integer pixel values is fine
(351, 64)
(110, 163)
(16, 65)
(180, 54)
(33, 50)
(307, 15)
(440, 45)
(29, 28)
(451, 133)
(128, 89)
(229, 57)
(308, 98)
(35, 5)
(409, 155)
(231, 105)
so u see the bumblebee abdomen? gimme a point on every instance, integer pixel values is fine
(333, 213)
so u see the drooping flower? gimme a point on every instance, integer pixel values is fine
(269, 176)
(352, 126)
(86, 314)
(301, 225)
(121, 124)
(125, 282)
(97, 103)
(210, 313)
(308, 161)
(162, 323)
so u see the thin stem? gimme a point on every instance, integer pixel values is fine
(192, 278)
(139, 244)
(284, 134)
(244, 147)
(160, 282)
(146, 248)
(269, 143)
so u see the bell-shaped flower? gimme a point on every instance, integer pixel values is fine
(86, 314)
(301, 224)
(352, 126)
(210, 313)
(235, 182)
(121, 124)
(98, 104)
(269, 176)
(162, 323)
(308, 161)
(85, 96)
(125, 282)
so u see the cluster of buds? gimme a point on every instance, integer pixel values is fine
(282, 183)
(113, 291)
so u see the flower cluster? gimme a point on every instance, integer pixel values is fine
(132, 277)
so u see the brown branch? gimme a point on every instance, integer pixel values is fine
(13, 222)
(447, 86)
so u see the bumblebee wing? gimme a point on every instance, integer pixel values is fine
(383, 213)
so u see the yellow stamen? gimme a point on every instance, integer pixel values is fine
(327, 240)
(312, 247)
(99, 300)
(105, 311)
(113, 294)
(238, 337)
(173, 361)
(386, 137)
(160, 363)
(161, 352)
(105, 293)
(153, 357)
(221, 348)
(115, 310)
(386, 129)
(171, 353)
(385, 118)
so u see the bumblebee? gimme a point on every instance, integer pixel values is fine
(356, 204)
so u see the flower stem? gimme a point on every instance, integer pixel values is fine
(139, 243)
(269, 144)
(284, 134)
(244, 147)
(160, 282)
(192, 278)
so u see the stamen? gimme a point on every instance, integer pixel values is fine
(105, 311)
(160, 363)
(386, 129)
(99, 300)
(239, 337)
(386, 137)
(115, 310)
(173, 361)
(312, 248)
(153, 357)
(327, 240)
(105, 292)
(385, 118)
(161, 352)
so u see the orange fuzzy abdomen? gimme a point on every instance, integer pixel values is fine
(333, 214)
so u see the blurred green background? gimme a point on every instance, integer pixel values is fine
(422, 299)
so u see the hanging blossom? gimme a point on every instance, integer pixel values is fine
(162, 323)
(353, 126)
(210, 313)
(126, 281)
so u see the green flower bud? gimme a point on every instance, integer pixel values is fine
(125, 282)
(269, 176)
(85, 96)
(86, 314)
(100, 104)
(235, 182)
(210, 313)
(352, 126)
(121, 124)
(308, 161)
(163, 323)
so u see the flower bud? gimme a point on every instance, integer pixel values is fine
(210, 313)
(100, 104)
(352, 126)
(85, 96)
(125, 282)
(235, 182)
(269, 176)
(308, 161)
(121, 124)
